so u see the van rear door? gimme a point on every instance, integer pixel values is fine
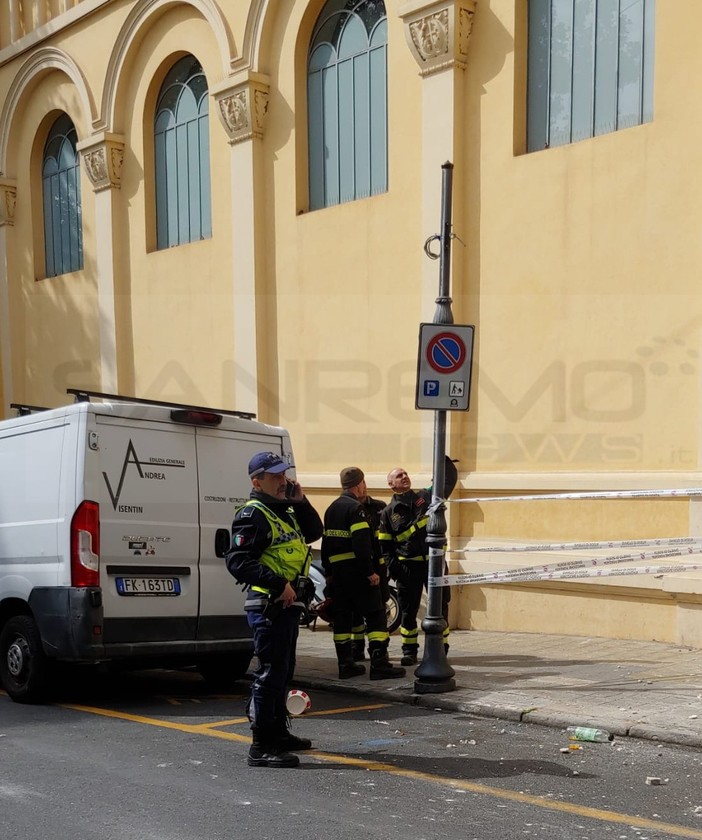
(149, 532)
(223, 458)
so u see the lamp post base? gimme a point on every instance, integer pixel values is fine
(434, 675)
(424, 687)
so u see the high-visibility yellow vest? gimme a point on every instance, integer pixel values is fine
(287, 555)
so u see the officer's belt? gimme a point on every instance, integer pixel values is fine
(255, 603)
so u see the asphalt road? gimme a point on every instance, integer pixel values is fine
(153, 756)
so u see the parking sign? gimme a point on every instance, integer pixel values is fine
(444, 367)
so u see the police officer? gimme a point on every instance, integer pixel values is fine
(269, 554)
(347, 556)
(403, 540)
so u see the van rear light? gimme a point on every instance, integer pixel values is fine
(85, 545)
(195, 417)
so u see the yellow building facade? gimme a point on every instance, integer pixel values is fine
(574, 259)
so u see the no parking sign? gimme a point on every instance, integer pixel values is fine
(444, 366)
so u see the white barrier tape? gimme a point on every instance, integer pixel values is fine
(462, 580)
(435, 505)
(609, 494)
(589, 564)
(579, 546)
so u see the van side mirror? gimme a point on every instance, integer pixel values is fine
(222, 542)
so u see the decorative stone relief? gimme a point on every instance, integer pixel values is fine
(430, 35)
(466, 14)
(103, 156)
(242, 109)
(438, 33)
(8, 200)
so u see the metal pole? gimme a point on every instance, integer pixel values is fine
(434, 675)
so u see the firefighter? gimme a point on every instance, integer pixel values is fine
(403, 540)
(269, 554)
(373, 508)
(347, 556)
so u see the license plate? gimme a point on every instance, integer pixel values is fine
(147, 586)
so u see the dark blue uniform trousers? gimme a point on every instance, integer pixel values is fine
(275, 641)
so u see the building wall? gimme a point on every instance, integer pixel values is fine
(576, 264)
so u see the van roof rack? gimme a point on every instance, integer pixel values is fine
(23, 409)
(82, 395)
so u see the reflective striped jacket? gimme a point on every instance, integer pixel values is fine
(348, 536)
(403, 523)
(403, 526)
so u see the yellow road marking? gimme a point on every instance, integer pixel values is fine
(347, 709)
(220, 723)
(235, 721)
(458, 784)
(197, 729)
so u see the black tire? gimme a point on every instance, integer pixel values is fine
(24, 668)
(392, 610)
(223, 670)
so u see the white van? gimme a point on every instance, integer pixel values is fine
(114, 518)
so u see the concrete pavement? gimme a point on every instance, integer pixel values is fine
(637, 689)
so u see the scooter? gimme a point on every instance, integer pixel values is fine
(317, 606)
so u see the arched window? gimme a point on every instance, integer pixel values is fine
(347, 102)
(60, 172)
(182, 156)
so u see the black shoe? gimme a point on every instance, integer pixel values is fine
(408, 659)
(350, 669)
(271, 756)
(291, 743)
(359, 655)
(381, 669)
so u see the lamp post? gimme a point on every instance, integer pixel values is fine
(434, 675)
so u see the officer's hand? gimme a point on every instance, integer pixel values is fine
(293, 491)
(288, 596)
(373, 579)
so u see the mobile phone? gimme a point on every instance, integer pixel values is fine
(290, 489)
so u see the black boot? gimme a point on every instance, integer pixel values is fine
(287, 741)
(358, 650)
(409, 656)
(381, 669)
(264, 752)
(349, 669)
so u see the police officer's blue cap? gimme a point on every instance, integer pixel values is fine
(267, 462)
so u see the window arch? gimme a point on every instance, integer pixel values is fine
(347, 103)
(182, 156)
(60, 174)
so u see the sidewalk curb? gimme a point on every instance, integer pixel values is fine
(404, 693)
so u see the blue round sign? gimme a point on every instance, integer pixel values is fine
(446, 352)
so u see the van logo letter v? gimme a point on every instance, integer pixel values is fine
(134, 459)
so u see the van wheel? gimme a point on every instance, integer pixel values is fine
(224, 669)
(24, 668)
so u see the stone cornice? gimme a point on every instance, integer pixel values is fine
(438, 32)
(103, 155)
(242, 106)
(8, 200)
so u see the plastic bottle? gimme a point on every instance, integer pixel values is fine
(586, 733)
